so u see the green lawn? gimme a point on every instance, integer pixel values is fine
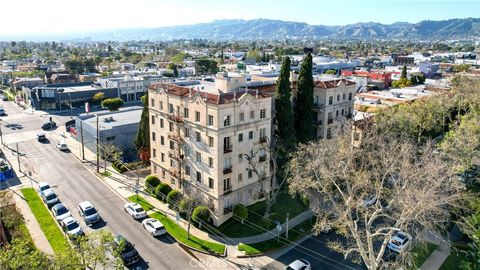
(420, 252)
(284, 204)
(47, 223)
(179, 233)
(456, 260)
(144, 203)
(301, 230)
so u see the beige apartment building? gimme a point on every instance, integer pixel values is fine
(199, 137)
(333, 100)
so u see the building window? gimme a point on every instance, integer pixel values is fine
(350, 96)
(198, 136)
(330, 100)
(250, 135)
(170, 126)
(252, 114)
(154, 136)
(152, 102)
(343, 111)
(336, 113)
(250, 174)
(186, 149)
(162, 157)
(240, 137)
(227, 147)
(111, 138)
(356, 136)
(161, 106)
(263, 134)
(210, 182)
(154, 152)
(242, 116)
(198, 156)
(197, 116)
(210, 141)
(338, 97)
(263, 114)
(210, 120)
(161, 122)
(226, 184)
(170, 108)
(187, 170)
(240, 177)
(343, 96)
(172, 163)
(186, 113)
(153, 119)
(163, 173)
(172, 145)
(210, 162)
(199, 177)
(240, 158)
(226, 121)
(162, 140)
(187, 132)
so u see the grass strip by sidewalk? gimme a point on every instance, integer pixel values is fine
(295, 233)
(143, 203)
(420, 253)
(179, 233)
(47, 224)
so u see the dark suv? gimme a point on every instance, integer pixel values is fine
(49, 125)
(128, 252)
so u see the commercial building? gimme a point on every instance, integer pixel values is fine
(130, 88)
(200, 134)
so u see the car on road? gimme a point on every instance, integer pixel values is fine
(41, 137)
(43, 186)
(62, 146)
(134, 210)
(2, 112)
(49, 125)
(399, 242)
(60, 212)
(71, 227)
(300, 264)
(88, 212)
(49, 197)
(153, 226)
(128, 252)
(4, 98)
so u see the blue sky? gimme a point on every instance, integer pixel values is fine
(61, 16)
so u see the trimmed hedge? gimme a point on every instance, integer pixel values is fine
(201, 213)
(162, 190)
(152, 181)
(173, 198)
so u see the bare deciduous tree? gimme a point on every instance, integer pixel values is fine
(371, 192)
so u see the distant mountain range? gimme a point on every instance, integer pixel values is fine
(275, 29)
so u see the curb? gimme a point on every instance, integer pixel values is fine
(268, 252)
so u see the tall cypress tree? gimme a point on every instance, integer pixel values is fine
(404, 72)
(142, 140)
(304, 103)
(285, 130)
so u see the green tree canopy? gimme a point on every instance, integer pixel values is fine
(304, 104)
(112, 104)
(142, 140)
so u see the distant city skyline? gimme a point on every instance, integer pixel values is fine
(32, 17)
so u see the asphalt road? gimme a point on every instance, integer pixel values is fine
(315, 251)
(74, 183)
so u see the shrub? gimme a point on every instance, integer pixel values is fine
(112, 104)
(240, 212)
(152, 181)
(173, 198)
(162, 190)
(119, 167)
(201, 214)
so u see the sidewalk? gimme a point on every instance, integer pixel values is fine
(438, 256)
(125, 186)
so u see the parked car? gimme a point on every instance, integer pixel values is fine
(88, 212)
(62, 146)
(134, 210)
(128, 252)
(4, 98)
(153, 226)
(41, 137)
(60, 212)
(399, 242)
(2, 112)
(49, 197)
(43, 186)
(49, 125)
(71, 227)
(301, 264)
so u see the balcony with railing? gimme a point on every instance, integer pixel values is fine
(318, 106)
(174, 172)
(227, 149)
(263, 139)
(174, 154)
(227, 170)
(174, 136)
(175, 118)
(262, 158)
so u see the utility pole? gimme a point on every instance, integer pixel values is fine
(1, 133)
(71, 108)
(18, 160)
(98, 148)
(286, 232)
(81, 135)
